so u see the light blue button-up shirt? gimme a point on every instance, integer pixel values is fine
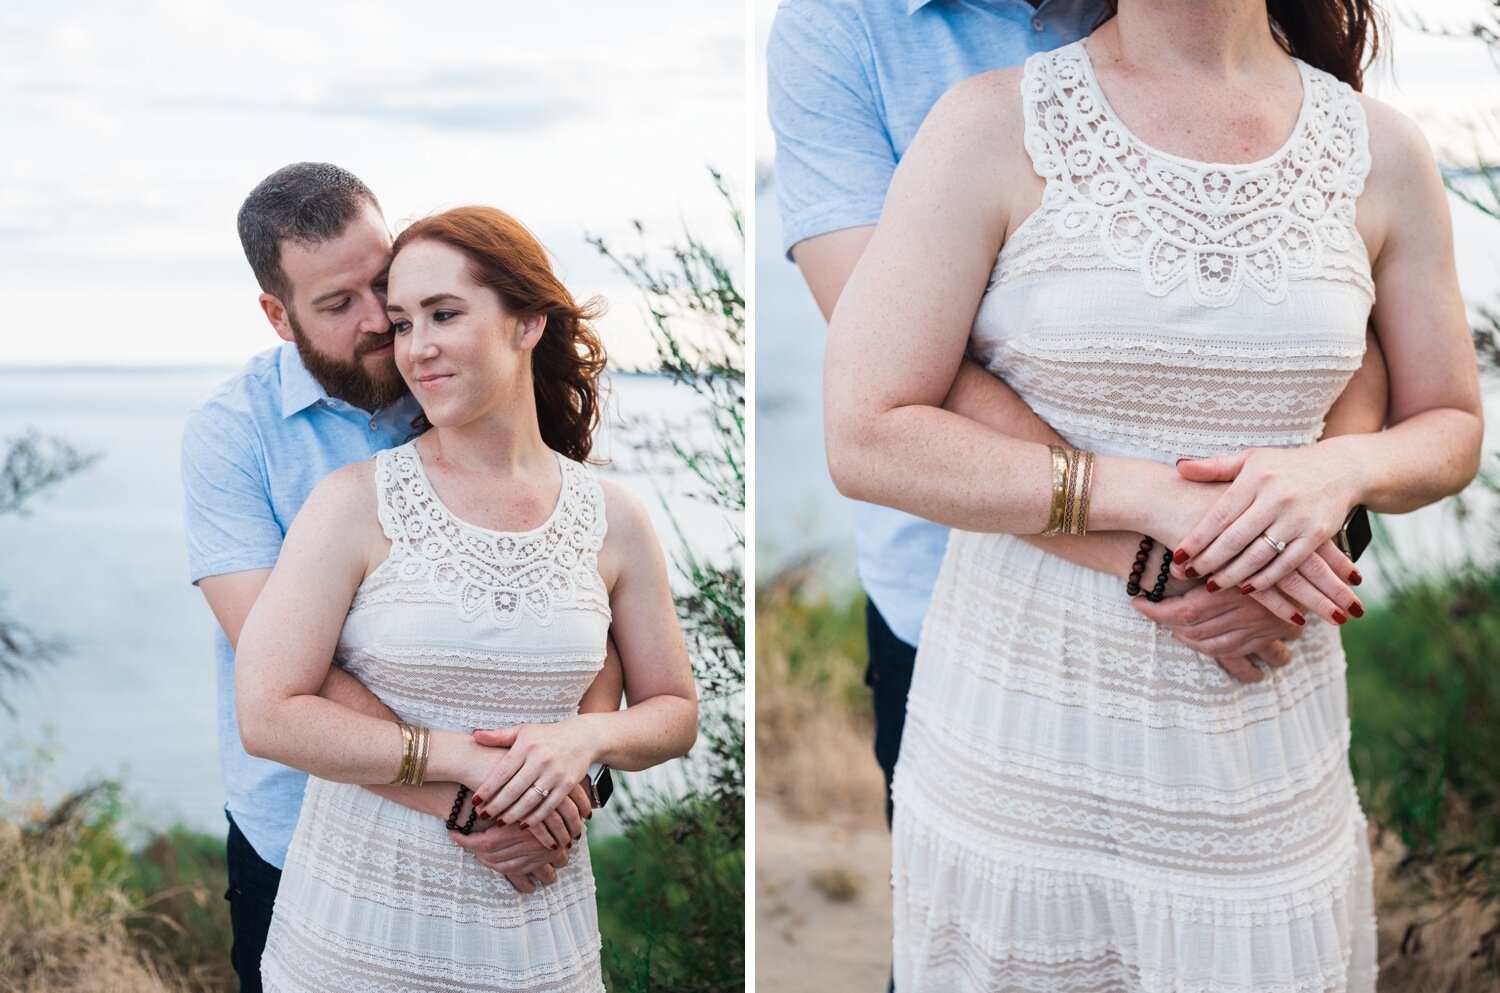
(850, 83)
(251, 454)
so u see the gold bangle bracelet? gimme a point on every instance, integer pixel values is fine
(418, 772)
(408, 743)
(1059, 491)
(1084, 491)
(1080, 479)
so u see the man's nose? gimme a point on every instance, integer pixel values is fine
(374, 319)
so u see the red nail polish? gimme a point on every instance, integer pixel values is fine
(1247, 589)
(525, 826)
(1356, 609)
(1190, 572)
(1212, 586)
(1339, 617)
(1298, 619)
(1180, 556)
(478, 802)
(1355, 578)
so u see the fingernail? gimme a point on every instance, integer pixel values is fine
(1299, 619)
(1339, 617)
(1190, 572)
(1180, 556)
(1181, 460)
(1247, 589)
(553, 846)
(477, 802)
(1356, 609)
(524, 826)
(1212, 586)
(1355, 578)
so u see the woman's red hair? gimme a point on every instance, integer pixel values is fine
(566, 363)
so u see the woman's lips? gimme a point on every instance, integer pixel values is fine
(437, 379)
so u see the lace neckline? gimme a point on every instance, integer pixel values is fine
(1304, 112)
(426, 484)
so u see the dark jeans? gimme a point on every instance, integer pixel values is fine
(889, 679)
(251, 895)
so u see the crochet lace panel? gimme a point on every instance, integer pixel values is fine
(1214, 228)
(507, 574)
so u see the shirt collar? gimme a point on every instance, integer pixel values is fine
(298, 388)
(912, 6)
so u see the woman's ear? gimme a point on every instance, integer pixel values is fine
(531, 329)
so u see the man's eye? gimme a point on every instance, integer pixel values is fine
(340, 308)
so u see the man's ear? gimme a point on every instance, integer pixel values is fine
(275, 312)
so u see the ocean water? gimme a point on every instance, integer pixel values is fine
(98, 562)
(801, 518)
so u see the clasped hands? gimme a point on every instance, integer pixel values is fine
(1249, 596)
(524, 835)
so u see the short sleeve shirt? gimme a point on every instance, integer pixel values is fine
(252, 452)
(850, 82)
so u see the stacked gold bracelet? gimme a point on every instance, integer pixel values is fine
(1072, 482)
(413, 771)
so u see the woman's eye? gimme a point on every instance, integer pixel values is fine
(443, 315)
(400, 327)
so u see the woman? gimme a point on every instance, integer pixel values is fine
(1168, 240)
(470, 579)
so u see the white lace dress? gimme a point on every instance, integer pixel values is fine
(460, 628)
(1082, 803)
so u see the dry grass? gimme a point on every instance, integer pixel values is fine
(813, 731)
(1436, 957)
(64, 918)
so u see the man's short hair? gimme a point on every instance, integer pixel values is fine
(307, 202)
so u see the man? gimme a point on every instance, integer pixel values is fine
(253, 451)
(850, 82)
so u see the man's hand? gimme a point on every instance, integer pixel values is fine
(515, 854)
(1227, 626)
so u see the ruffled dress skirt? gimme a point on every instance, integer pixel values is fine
(1084, 805)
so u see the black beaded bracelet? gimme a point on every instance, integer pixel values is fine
(1133, 587)
(458, 803)
(1160, 589)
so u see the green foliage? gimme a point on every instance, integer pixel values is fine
(666, 901)
(817, 636)
(1424, 695)
(672, 886)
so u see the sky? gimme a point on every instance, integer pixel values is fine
(131, 130)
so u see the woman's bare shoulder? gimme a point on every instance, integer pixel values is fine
(1399, 150)
(986, 107)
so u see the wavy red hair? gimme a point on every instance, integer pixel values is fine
(565, 364)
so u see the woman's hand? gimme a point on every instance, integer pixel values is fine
(543, 758)
(1297, 496)
(1314, 585)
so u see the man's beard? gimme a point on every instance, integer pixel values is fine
(350, 381)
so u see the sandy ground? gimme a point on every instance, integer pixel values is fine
(823, 905)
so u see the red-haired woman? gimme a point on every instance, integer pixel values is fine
(1168, 239)
(471, 578)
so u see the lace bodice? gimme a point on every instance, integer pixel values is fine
(1159, 306)
(464, 627)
